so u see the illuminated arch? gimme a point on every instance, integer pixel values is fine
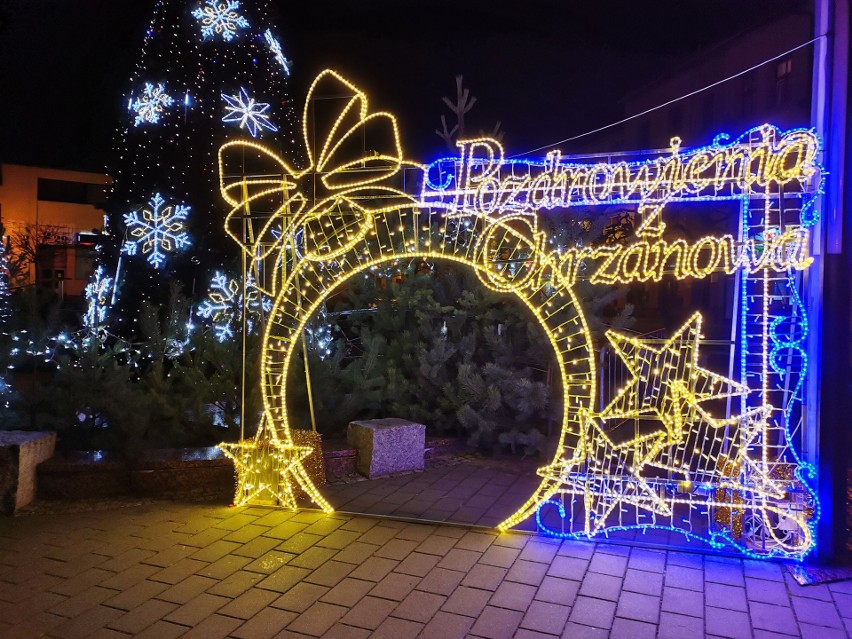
(557, 311)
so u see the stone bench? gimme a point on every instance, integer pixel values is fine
(20, 453)
(387, 446)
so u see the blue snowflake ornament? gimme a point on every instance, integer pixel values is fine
(277, 53)
(224, 305)
(247, 113)
(97, 296)
(220, 18)
(151, 104)
(156, 230)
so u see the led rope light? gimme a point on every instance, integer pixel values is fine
(342, 215)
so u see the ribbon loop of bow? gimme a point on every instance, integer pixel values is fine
(328, 206)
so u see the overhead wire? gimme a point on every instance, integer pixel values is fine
(674, 100)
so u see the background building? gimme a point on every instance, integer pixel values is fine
(52, 219)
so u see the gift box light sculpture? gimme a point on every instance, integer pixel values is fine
(347, 212)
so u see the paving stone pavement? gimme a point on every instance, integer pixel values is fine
(167, 569)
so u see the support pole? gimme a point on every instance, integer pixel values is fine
(829, 283)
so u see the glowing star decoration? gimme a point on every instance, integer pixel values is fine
(656, 454)
(156, 230)
(97, 296)
(277, 52)
(151, 104)
(247, 113)
(220, 19)
(269, 468)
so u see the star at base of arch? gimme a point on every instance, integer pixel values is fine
(268, 468)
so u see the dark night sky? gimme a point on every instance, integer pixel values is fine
(547, 69)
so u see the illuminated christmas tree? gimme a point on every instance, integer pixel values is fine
(209, 71)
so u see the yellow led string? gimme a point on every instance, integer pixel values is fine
(342, 215)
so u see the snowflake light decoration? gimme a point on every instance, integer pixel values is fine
(248, 113)
(220, 18)
(156, 230)
(275, 48)
(97, 292)
(224, 303)
(151, 104)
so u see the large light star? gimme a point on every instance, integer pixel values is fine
(270, 468)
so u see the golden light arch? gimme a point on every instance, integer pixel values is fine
(347, 210)
(335, 227)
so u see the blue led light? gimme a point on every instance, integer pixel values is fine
(220, 18)
(156, 230)
(278, 54)
(151, 104)
(244, 111)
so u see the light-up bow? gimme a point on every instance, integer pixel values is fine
(329, 206)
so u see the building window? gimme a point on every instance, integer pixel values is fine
(71, 192)
(782, 81)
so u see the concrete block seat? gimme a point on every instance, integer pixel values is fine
(20, 453)
(387, 446)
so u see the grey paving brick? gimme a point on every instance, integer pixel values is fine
(467, 601)
(683, 602)
(84, 625)
(418, 564)
(676, 626)
(683, 577)
(641, 581)
(500, 556)
(236, 584)
(265, 624)
(541, 551)
(727, 623)
(445, 625)
(723, 596)
(647, 560)
(567, 567)
(312, 558)
(374, 569)
(300, 597)
(162, 630)
(729, 571)
(497, 623)
(342, 631)
(419, 606)
(632, 629)
(187, 589)
(348, 592)
(639, 607)
(596, 613)
(284, 578)
(485, 577)
(317, 619)
(558, 591)
(136, 620)
(775, 618)
(369, 613)
(816, 612)
(767, 591)
(820, 632)
(356, 552)
(441, 581)
(601, 586)
(249, 603)
(393, 628)
(527, 572)
(269, 562)
(214, 627)
(196, 610)
(607, 564)
(546, 617)
(579, 631)
(513, 596)
(394, 586)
